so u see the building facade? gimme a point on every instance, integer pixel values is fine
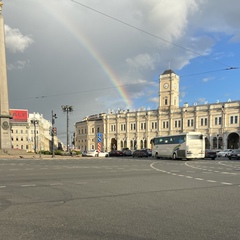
(31, 132)
(219, 122)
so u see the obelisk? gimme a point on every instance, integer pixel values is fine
(5, 131)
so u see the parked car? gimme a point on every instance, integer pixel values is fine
(127, 152)
(235, 154)
(210, 154)
(149, 151)
(115, 153)
(224, 153)
(84, 153)
(103, 154)
(140, 153)
(92, 153)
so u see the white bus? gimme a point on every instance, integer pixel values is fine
(187, 146)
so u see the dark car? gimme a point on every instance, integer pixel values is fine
(127, 152)
(210, 154)
(115, 153)
(235, 154)
(140, 153)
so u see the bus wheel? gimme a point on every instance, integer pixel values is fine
(174, 156)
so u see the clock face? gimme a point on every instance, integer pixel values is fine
(165, 85)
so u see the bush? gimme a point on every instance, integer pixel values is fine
(58, 152)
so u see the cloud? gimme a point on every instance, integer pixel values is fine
(207, 79)
(141, 61)
(15, 41)
(19, 65)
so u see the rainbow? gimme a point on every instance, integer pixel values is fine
(74, 30)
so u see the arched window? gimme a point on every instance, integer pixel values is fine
(214, 143)
(131, 145)
(165, 101)
(141, 144)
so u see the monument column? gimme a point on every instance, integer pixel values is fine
(5, 136)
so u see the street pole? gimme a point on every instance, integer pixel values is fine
(53, 133)
(35, 122)
(67, 109)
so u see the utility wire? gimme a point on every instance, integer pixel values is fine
(106, 88)
(148, 33)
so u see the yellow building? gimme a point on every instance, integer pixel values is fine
(219, 122)
(31, 133)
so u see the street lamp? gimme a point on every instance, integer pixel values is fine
(67, 109)
(54, 116)
(35, 122)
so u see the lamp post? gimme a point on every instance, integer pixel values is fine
(54, 116)
(35, 122)
(67, 109)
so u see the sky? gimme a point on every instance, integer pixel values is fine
(107, 55)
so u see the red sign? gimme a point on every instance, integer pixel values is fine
(19, 115)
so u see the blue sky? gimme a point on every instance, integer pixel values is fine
(51, 53)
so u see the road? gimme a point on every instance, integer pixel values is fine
(119, 198)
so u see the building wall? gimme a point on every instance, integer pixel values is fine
(219, 122)
(28, 137)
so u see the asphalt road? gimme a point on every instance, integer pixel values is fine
(119, 198)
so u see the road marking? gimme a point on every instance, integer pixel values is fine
(13, 169)
(28, 185)
(55, 184)
(2, 186)
(200, 179)
(212, 181)
(81, 183)
(226, 183)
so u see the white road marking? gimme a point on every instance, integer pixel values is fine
(2, 186)
(55, 184)
(226, 183)
(28, 185)
(212, 181)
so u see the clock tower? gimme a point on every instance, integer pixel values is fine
(168, 90)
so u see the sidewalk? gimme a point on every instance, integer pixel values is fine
(35, 156)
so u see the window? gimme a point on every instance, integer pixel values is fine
(165, 124)
(233, 119)
(154, 125)
(204, 121)
(190, 122)
(123, 127)
(133, 126)
(92, 130)
(98, 129)
(143, 126)
(177, 123)
(113, 128)
(218, 120)
(165, 101)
